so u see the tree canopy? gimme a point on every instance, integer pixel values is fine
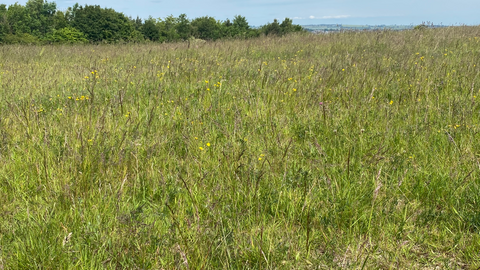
(39, 21)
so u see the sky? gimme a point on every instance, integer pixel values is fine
(303, 12)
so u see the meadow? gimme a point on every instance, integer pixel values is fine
(354, 150)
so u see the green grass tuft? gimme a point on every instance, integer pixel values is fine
(354, 150)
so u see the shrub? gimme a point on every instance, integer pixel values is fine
(66, 35)
(23, 38)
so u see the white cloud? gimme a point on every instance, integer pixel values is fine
(335, 17)
(312, 17)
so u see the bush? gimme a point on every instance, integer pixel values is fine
(66, 35)
(21, 39)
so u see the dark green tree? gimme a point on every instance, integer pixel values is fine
(227, 29)
(272, 28)
(18, 19)
(150, 30)
(287, 26)
(278, 29)
(183, 27)
(241, 27)
(60, 20)
(102, 24)
(3, 22)
(41, 15)
(167, 28)
(206, 28)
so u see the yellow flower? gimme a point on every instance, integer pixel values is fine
(391, 102)
(201, 148)
(208, 144)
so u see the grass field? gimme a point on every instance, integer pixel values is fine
(357, 150)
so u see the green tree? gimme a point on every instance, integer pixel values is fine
(240, 24)
(183, 27)
(150, 30)
(66, 35)
(227, 29)
(278, 29)
(60, 20)
(3, 22)
(206, 28)
(18, 19)
(167, 28)
(287, 26)
(272, 28)
(137, 23)
(41, 15)
(102, 24)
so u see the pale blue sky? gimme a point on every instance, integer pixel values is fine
(303, 12)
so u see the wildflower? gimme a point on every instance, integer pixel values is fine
(201, 148)
(391, 102)
(208, 144)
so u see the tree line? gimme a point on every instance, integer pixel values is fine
(39, 22)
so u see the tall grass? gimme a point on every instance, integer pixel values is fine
(354, 150)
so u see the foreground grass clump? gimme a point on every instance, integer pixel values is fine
(351, 150)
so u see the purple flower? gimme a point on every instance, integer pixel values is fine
(321, 103)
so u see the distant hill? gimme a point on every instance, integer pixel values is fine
(349, 27)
